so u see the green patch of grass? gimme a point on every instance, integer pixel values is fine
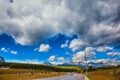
(90, 77)
(70, 67)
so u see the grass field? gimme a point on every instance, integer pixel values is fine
(70, 67)
(110, 74)
(22, 71)
(25, 74)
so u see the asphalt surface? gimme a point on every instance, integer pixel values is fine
(69, 76)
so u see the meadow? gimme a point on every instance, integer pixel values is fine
(20, 71)
(25, 74)
(105, 74)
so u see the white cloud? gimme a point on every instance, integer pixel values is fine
(28, 21)
(65, 45)
(56, 62)
(52, 58)
(14, 52)
(3, 49)
(28, 61)
(67, 53)
(90, 52)
(113, 54)
(97, 62)
(61, 59)
(80, 56)
(89, 49)
(36, 49)
(104, 48)
(33, 61)
(76, 44)
(44, 48)
(104, 62)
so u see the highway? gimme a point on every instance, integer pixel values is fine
(69, 76)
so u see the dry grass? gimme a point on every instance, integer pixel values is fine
(24, 74)
(111, 74)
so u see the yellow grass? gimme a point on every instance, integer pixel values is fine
(111, 74)
(24, 74)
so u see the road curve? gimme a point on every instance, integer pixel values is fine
(70, 76)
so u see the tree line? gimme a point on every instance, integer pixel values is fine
(35, 67)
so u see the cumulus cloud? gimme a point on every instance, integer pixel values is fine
(30, 21)
(79, 57)
(44, 48)
(3, 49)
(65, 45)
(82, 55)
(89, 52)
(61, 59)
(76, 44)
(104, 48)
(14, 52)
(113, 54)
(52, 58)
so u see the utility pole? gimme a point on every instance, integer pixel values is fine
(86, 61)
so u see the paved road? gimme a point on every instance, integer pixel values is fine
(70, 76)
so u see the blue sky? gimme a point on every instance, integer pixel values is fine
(60, 31)
(30, 54)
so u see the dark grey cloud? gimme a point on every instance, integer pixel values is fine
(29, 21)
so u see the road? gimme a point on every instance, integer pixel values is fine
(69, 76)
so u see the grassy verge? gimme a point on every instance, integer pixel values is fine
(110, 74)
(90, 77)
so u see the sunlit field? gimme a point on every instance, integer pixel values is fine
(25, 74)
(19, 71)
(110, 74)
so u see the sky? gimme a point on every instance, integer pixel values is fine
(59, 31)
